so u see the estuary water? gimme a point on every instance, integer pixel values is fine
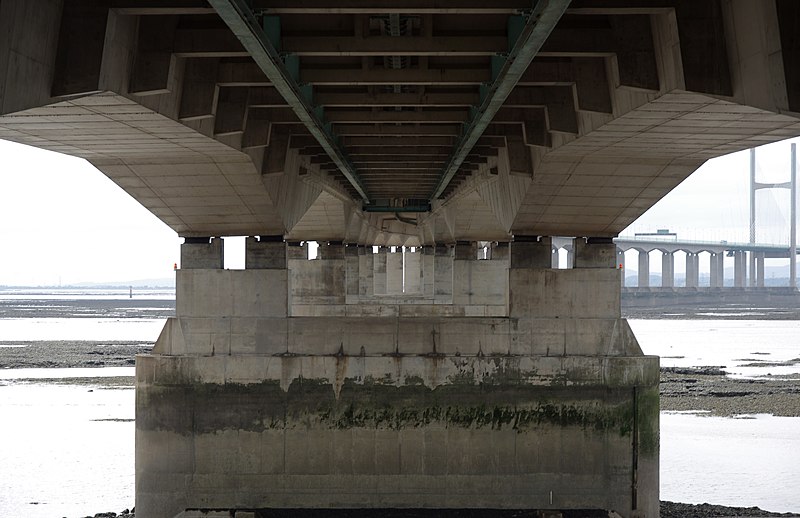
(743, 461)
(67, 435)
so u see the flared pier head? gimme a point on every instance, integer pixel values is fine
(498, 383)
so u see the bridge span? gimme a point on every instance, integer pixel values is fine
(743, 254)
(489, 384)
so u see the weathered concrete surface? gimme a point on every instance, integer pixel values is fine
(432, 282)
(413, 431)
(242, 406)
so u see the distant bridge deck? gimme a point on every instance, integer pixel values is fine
(668, 245)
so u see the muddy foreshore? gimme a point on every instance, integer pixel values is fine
(668, 510)
(708, 389)
(70, 353)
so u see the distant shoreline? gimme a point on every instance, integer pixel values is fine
(114, 286)
(711, 304)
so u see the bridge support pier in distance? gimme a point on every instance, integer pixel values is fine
(548, 404)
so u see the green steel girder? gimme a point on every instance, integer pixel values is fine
(408, 208)
(525, 42)
(240, 19)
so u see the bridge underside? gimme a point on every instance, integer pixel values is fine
(334, 383)
(623, 101)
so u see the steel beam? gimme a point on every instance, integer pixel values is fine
(540, 24)
(241, 20)
(388, 99)
(355, 116)
(390, 76)
(408, 141)
(393, 46)
(390, 130)
(393, 6)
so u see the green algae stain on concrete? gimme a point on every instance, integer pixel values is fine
(648, 420)
(471, 413)
(506, 405)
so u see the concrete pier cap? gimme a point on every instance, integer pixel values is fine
(497, 383)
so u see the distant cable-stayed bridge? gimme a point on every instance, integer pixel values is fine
(748, 258)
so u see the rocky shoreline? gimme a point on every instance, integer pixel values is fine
(708, 389)
(678, 510)
(709, 313)
(70, 353)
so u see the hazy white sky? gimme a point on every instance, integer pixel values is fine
(62, 221)
(713, 203)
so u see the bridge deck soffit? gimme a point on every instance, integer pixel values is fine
(413, 106)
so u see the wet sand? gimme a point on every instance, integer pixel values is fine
(70, 354)
(707, 389)
(87, 308)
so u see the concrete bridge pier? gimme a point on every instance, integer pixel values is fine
(757, 276)
(667, 269)
(756, 263)
(739, 269)
(717, 269)
(644, 268)
(248, 402)
(692, 270)
(621, 265)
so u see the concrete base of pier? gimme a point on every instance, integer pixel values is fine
(405, 432)
(550, 406)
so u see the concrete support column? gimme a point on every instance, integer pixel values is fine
(202, 253)
(394, 271)
(588, 291)
(412, 271)
(366, 271)
(501, 252)
(739, 269)
(207, 298)
(532, 252)
(428, 271)
(760, 256)
(667, 269)
(751, 260)
(554, 256)
(330, 250)
(621, 265)
(570, 256)
(379, 271)
(265, 253)
(319, 286)
(466, 251)
(595, 252)
(466, 279)
(352, 273)
(443, 274)
(644, 269)
(692, 270)
(717, 270)
(296, 250)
